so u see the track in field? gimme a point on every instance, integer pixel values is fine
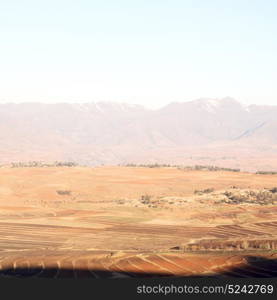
(137, 265)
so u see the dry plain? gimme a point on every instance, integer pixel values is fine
(136, 222)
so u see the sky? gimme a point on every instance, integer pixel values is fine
(149, 52)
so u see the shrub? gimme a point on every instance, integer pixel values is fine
(39, 164)
(266, 173)
(63, 192)
(205, 191)
(273, 190)
(145, 199)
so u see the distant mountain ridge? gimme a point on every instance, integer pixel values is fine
(118, 133)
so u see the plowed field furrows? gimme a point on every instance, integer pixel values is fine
(236, 231)
(163, 230)
(89, 265)
(134, 222)
(33, 236)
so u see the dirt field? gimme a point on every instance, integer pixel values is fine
(123, 221)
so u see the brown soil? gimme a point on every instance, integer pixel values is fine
(103, 226)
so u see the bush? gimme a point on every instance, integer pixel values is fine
(205, 191)
(266, 173)
(39, 164)
(63, 192)
(145, 199)
(273, 190)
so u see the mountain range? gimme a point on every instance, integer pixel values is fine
(219, 132)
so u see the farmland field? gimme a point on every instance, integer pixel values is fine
(109, 222)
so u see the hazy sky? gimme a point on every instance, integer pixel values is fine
(146, 51)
